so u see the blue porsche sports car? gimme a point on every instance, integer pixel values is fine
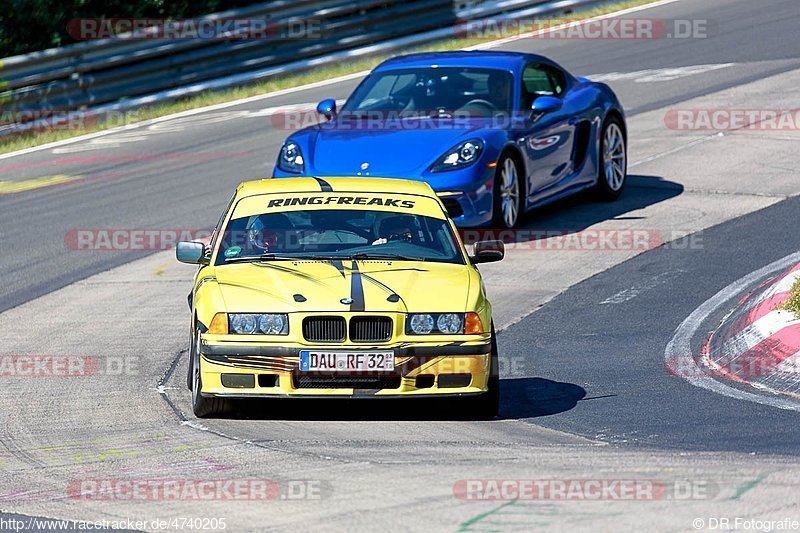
(494, 133)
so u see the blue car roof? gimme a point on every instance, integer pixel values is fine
(512, 61)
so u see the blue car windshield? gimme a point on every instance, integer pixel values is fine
(338, 234)
(431, 92)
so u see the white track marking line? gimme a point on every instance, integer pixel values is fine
(269, 111)
(679, 348)
(194, 424)
(677, 149)
(295, 113)
(627, 295)
(290, 90)
(544, 31)
(104, 143)
(659, 75)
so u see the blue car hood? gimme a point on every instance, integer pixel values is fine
(338, 149)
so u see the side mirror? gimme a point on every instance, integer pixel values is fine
(190, 252)
(488, 252)
(544, 105)
(327, 108)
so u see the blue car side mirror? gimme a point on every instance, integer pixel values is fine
(327, 108)
(544, 105)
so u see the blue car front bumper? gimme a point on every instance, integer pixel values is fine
(467, 193)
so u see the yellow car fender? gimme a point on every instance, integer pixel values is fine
(207, 297)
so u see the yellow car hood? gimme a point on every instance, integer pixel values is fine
(314, 286)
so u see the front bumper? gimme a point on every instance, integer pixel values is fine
(425, 369)
(470, 189)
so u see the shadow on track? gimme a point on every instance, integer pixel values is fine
(533, 397)
(519, 398)
(576, 213)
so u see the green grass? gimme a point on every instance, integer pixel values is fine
(27, 140)
(793, 304)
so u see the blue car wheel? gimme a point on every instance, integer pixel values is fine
(613, 167)
(509, 192)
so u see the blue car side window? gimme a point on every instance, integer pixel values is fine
(540, 80)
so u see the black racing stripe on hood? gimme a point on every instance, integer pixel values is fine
(339, 266)
(324, 185)
(379, 283)
(409, 269)
(356, 289)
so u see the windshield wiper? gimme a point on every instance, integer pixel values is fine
(277, 257)
(358, 257)
(397, 257)
(263, 257)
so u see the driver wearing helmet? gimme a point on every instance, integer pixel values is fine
(269, 233)
(499, 90)
(396, 228)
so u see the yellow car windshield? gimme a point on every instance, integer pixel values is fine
(338, 234)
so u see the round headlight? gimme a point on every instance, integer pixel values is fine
(291, 158)
(449, 323)
(459, 156)
(271, 324)
(291, 154)
(243, 323)
(421, 324)
(468, 151)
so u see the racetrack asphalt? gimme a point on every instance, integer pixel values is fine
(612, 354)
(584, 390)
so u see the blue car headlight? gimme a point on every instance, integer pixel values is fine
(460, 156)
(291, 158)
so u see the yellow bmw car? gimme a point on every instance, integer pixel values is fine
(339, 287)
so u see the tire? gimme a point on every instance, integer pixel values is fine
(189, 375)
(613, 152)
(203, 407)
(487, 405)
(509, 193)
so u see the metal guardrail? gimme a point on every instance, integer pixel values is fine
(123, 73)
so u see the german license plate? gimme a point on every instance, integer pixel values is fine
(340, 361)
